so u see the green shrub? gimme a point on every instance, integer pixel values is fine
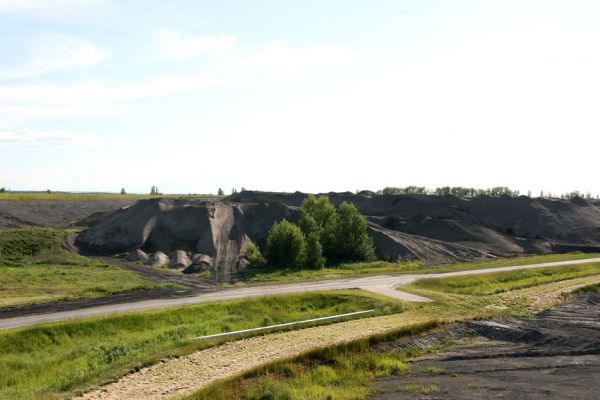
(314, 252)
(18, 243)
(352, 241)
(286, 245)
(254, 256)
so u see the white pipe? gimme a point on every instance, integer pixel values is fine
(262, 328)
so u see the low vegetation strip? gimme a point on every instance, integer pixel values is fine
(498, 282)
(51, 361)
(263, 275)
(16, 196)
(34, 268)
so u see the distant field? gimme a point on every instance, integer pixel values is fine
(50, 361)
(93, 196)
(35, 269)
(354, 270)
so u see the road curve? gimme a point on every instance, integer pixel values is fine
(382, 284)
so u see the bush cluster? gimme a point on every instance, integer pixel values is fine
(323, 234)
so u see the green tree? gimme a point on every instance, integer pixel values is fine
(286, 245)
(352, 240)
(2, 190)
(123, 191)
(318, 216)
(220, 192)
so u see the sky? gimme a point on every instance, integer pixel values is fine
(316, 96)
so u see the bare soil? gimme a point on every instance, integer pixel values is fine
(552, 355)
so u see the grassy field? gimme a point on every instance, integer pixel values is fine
(34, 268)
(258, 276)
(348, 371)
(499, 282)
(50, 361)
(92, 196)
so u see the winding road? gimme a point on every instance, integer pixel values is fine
(383, 284)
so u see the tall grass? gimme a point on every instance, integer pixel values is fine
(498, 282)
(48, 362)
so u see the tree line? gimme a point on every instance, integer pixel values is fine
(323, 235)
(497, 191)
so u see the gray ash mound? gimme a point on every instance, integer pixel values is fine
(434, 229)
(217, 229)
(440, 229)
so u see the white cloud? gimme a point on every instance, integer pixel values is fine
(174, 45)
(44, 5)
(276, 58)
(53, 52)
(20, 103)
(29, 138)
(96, 91)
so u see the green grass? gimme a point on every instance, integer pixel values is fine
(92, 196)
(265, 275)
(34, 268)
(50, 361)
(498, 282)
(344, 372)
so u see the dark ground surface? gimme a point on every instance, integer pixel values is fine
(553, 355)
(54, 213)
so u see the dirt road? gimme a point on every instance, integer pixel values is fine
(385, 284)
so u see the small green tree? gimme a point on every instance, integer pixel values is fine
(220, 192)
(254, 256)
(123, 191)
(286, 245)
(2, 190)
(352, 241)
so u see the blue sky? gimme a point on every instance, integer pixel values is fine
(288, 95)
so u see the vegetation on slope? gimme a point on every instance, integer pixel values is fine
(264, 275)
(498, 282)
(49, 361)
(34, 268)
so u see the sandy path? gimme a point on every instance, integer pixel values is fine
(186, 374)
